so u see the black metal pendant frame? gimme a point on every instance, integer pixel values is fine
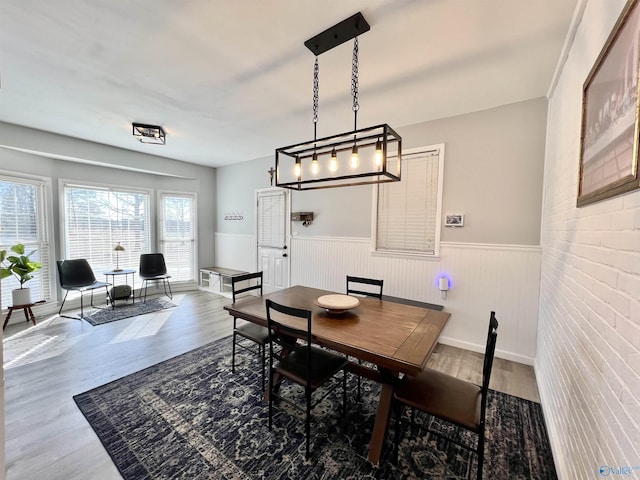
(366, 173)
(324, 163)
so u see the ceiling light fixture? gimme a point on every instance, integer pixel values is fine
(149, 133)
(358, 157)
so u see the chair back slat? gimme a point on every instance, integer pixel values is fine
(235, 291)
(376, 293)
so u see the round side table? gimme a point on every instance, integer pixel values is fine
(116, 273)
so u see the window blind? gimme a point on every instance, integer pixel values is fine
(407, 210)
(177, 235)
(23, 220)
(96, 219)
(272, 228)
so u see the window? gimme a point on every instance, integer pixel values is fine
(271, 219)
(97, 219)
(407, 213)
(23, 214)
(178, 235)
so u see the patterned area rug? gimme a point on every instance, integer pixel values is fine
(107, 315)
(191, 418)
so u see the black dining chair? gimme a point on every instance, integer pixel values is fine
(154, 269)
(299, 362)
(448, 398)
(247, 330)
(368, 287)
(77, 275)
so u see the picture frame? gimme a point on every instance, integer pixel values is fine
(609, 130)
(454, 220)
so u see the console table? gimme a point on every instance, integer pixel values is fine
(209, 275)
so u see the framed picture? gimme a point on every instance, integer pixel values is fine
(454, 220)
(609, 137)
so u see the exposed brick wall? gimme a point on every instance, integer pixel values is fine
(588, 354)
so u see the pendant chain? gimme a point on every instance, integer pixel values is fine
(316, 89)
(354, 76)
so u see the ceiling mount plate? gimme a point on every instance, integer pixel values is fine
(338, 34)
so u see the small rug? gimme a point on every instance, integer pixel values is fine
(191, 418)
(107, 315)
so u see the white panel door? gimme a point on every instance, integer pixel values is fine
(273, 215)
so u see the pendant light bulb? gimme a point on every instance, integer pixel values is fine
(315, 168)
(297, 170)
(378, 153)
(354, 157)
(333, 163)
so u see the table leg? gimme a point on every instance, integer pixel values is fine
(383, 416)
(33, 317)
(7, 319)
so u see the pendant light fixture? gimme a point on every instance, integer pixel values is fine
(359, 157)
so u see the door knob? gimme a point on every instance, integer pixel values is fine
(284, 255)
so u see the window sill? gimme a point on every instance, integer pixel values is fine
(408, 255)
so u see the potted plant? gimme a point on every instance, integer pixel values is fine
(21, 267)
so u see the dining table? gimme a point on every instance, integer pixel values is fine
(392, 339)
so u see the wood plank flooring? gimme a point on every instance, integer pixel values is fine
(46, 435)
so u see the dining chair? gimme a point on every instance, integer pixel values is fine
(154, 269)
(368, 287)
(78, 275)
(299, 362)
(247, 330)
(449, 398)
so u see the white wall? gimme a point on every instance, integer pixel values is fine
(588, 361)
(493, 171)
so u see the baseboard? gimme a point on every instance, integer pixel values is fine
(514, 357)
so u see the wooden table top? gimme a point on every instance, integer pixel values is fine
(391, 335)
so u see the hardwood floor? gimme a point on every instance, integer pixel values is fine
(48, 437)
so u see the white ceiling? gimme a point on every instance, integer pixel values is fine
(232, 80)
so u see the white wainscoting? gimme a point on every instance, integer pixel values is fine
(503, 278)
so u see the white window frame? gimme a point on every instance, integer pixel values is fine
(160, 226)
(63, 183)
(45, 227)
(438, 220)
